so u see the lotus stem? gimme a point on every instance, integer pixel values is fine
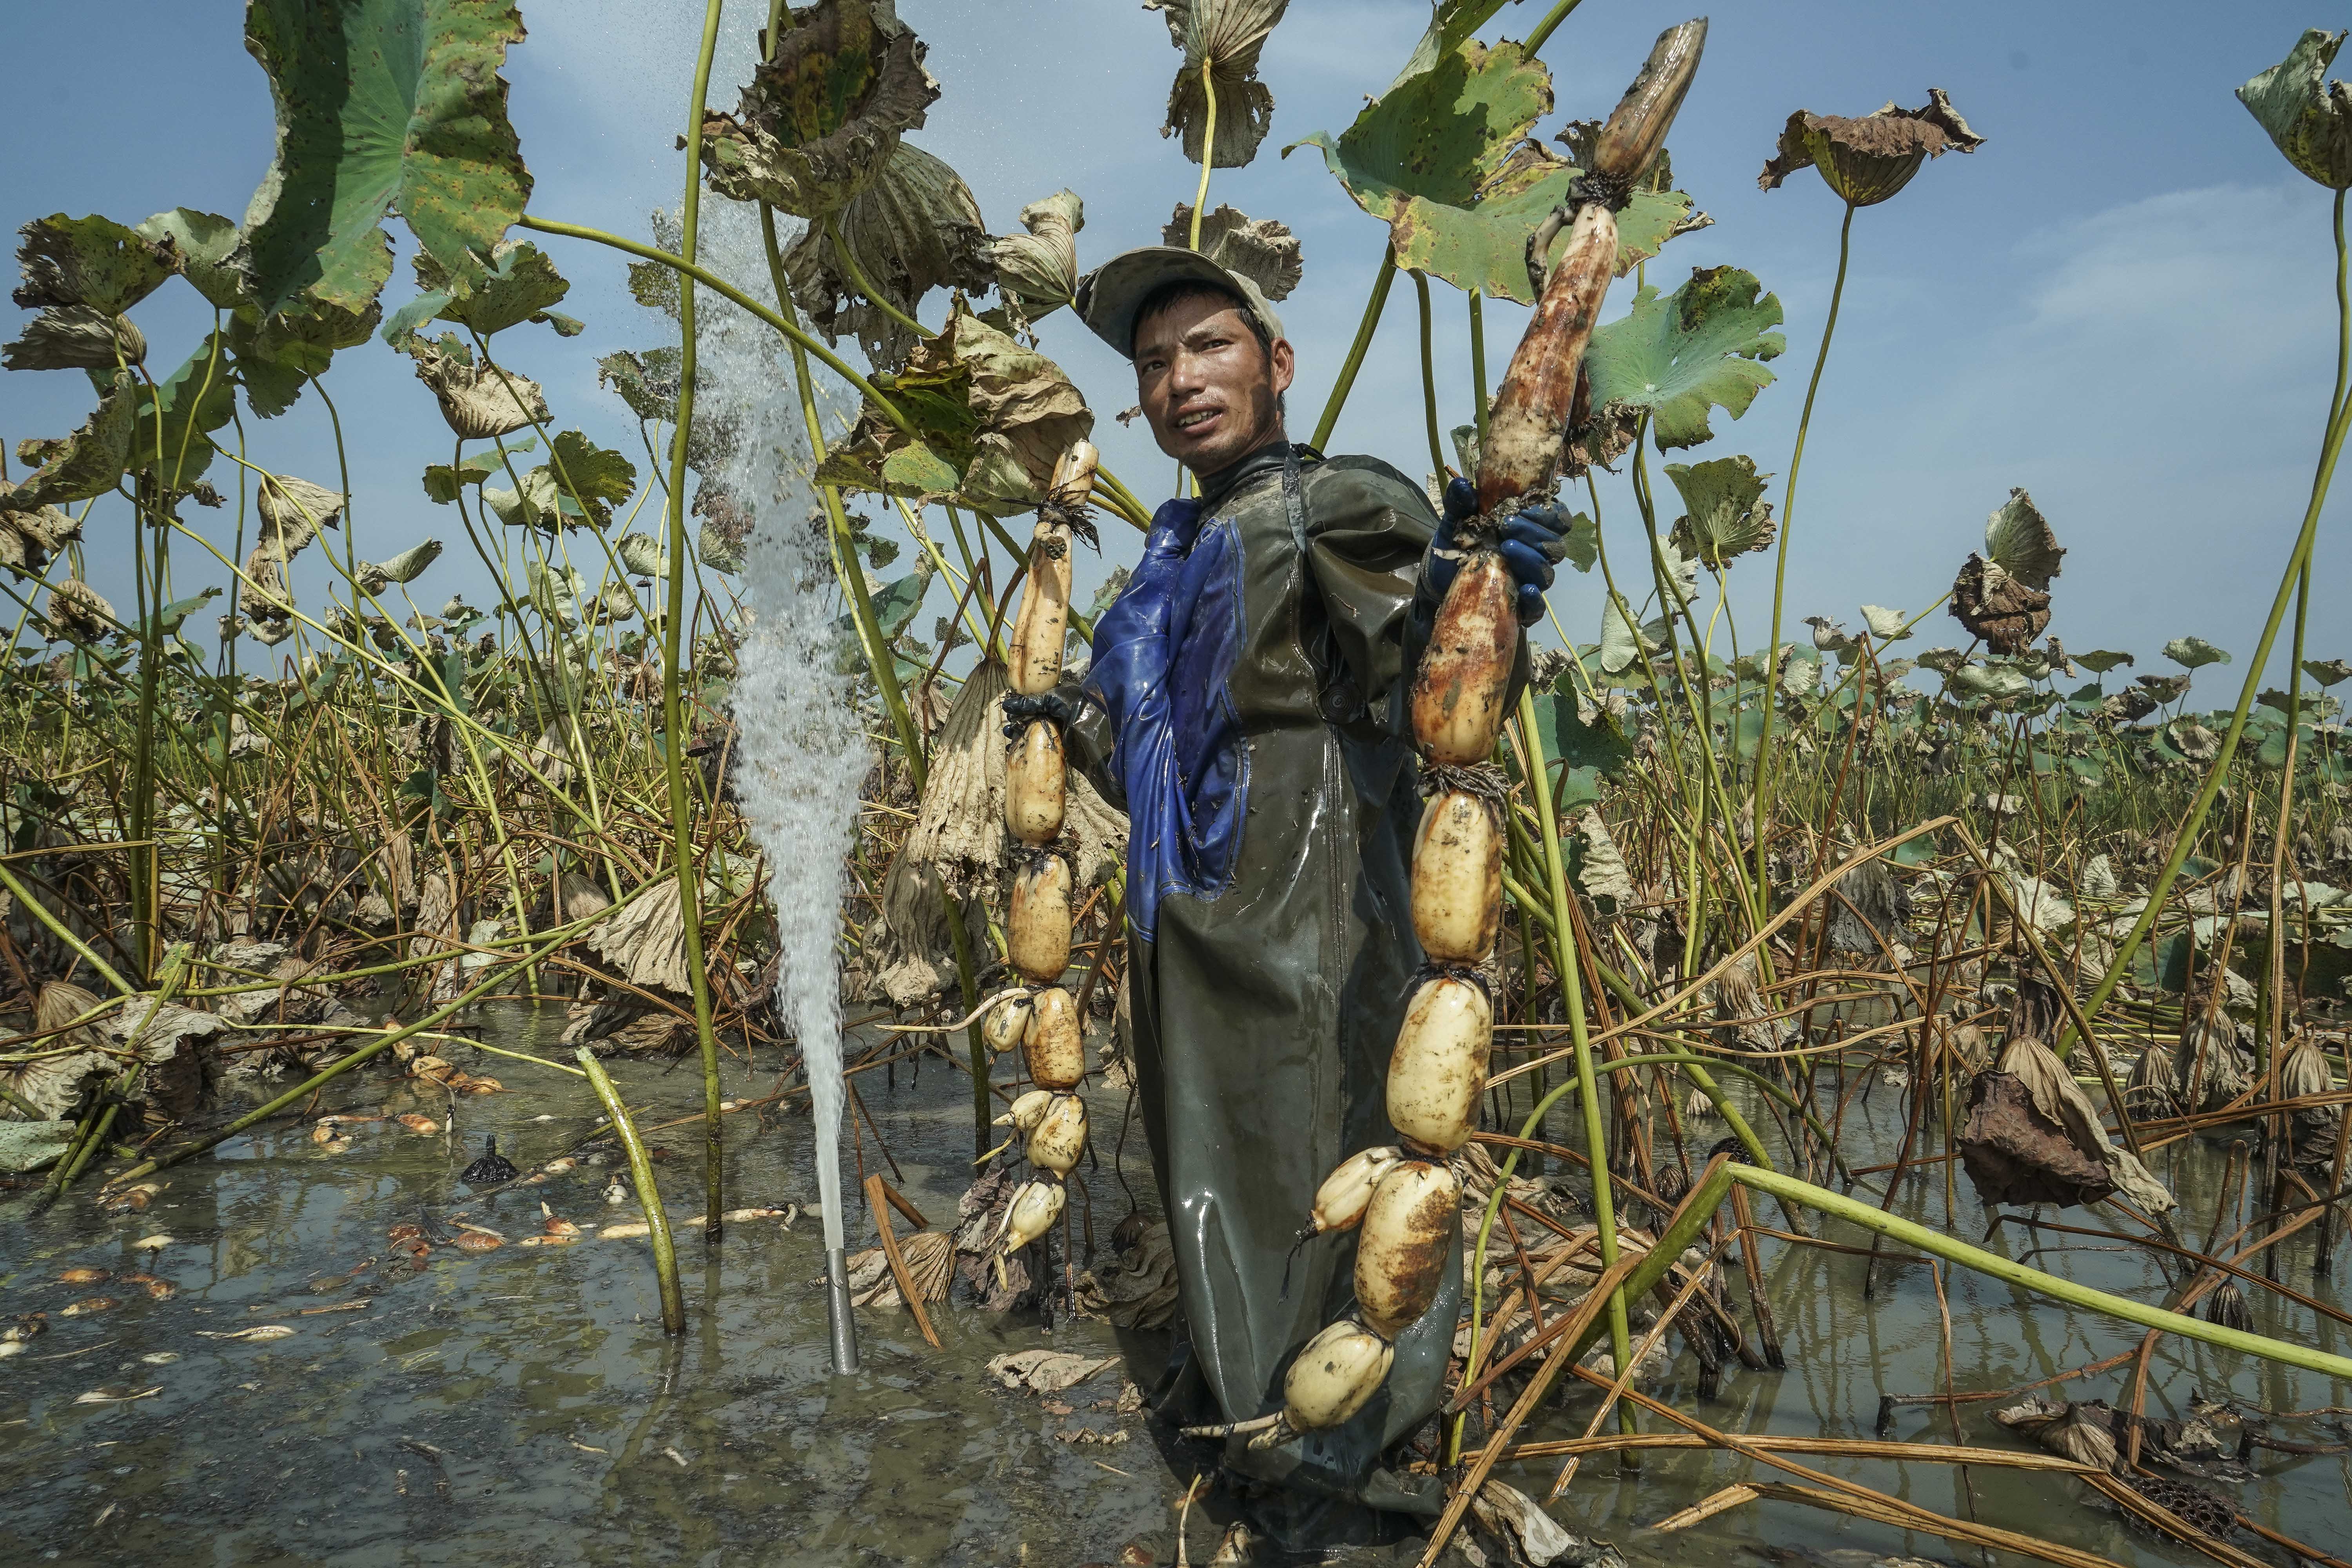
(1208, 153)
(1478, 363)
(1428, 377)
(1548, 26)
(856, 277)
(641, 1165)
(58, 928)
(1355, 360)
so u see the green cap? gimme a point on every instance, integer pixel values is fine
(1110, 296)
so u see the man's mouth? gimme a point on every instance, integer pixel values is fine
(1195, 419)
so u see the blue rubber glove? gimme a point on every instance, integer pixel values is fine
(1532, 544)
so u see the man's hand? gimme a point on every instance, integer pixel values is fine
(1532, 544)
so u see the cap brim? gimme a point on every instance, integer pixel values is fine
(1109, 297)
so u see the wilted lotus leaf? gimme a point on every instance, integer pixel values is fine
(75, 337)
(85, 464)
(405, 567)
(1865, 161)
(520, 285)
(1262, 251)
(477, 401)
(1037, 272)
(1675, 356)
(1830, 637)
(2166, 688)
(1886, 624)
(381, 108)
(992, 418)
(1621, 643)
(1441, 161)
(211, 253)
(646, 940)
(824, 110)
(2003, 595)
(2127, 707)
(27, 538)
(2098, 662)
(2018, 538)
(2327, 672)
(726, 525)
(643, 555)
(1728, 516)
(647, 382)
(2307, 116)
(1223, 36)
(2195, 741)
(1981, 683)
(293, 511)
(1942, 660)
(93, 262)
(2194, 653)
(915, 228)
(76, 614)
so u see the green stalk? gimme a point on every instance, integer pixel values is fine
(641, 1166)
(1545, 28)
(1478, 365)
(1761, 794)
(681, 823)
(2298, 563)
(1355, 360)
(1208, 157)
(856, 275)
(1429, 378)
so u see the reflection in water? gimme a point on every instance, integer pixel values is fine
(522, 1405)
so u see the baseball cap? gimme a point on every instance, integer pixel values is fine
(1109, 297)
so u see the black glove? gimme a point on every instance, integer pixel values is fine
(1532, 542)
(1021, 711)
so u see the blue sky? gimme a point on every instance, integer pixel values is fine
(2122, 303)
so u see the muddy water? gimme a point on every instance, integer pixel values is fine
(522, 1405)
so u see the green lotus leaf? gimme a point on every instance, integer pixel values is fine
(1942, 660)
(1676, 355)
(521, 284)
(915, 470)
(211, 255)
(2194, 653)
(1583, 541)
(1728, 516)
(2308, 117)
(167, 621)
(382, 106)
(647, 382)
(406, 567)
(1978, 682)
(1223, 38)
(1622, 645)
(596, 478)
(2098, 662)
(1452, 22)
(91, 261)
(85, 464)
(717, 549)
(171, 433)
(2018, 541)
(915, 228)
(1440, 159)
(75, 337)
(444, 483)
(894, 603)
(823, 112)
(2327, 672)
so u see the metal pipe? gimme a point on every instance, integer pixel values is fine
(837, 1309)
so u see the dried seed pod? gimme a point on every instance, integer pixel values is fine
(1401, 1246)
(1037, 926)
(1035, 784)
(1466, 672)
(1054, 1048)
(1339, 1201)
(1005, 1024)
(1060, 1135)
(1457, 878)
(1439, 1066)
(1334, 1376)
(1031, 1212)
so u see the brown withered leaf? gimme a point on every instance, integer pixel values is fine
(1262, 251)
(1997, 607)
(1867, 160)
(1225, 36)
(915, 228)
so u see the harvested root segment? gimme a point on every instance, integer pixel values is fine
(1026, 1110)
(1439, 1066)
(1334, 1376)
(1466, 672)
(1034, 654)
(1457, 878)
(1402, 1247)
(1035, 786)
(1005, 1024)
(1521, 453)
(1054, 1048)
(1060, 1135)
(1037, 927)
(1339, 1202)
(1031, 1212)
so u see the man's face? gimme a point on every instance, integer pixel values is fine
(1211, 394)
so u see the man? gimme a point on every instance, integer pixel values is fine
(1246, 699)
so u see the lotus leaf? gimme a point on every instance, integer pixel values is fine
(647, 382)
(1676, 355)
(75, 337)
(93, 262)
(172, 432)
(1621, 643)
(1262, 251)
(1223, 36)
(2327, 672)
(477, 401)
(406, 567)
(1728, 516)
(2166, 688)
(293, 511)
(2100, 661)
(1037, 272)
(76, 614)
(444, 483)
(27, 538)
(2018, 538)
(591, 478)
(1942, 660)
(2195, 741)
(2194, 653)
(210, 252)
(85, 464)
(915, 228)
(519, 285)
(2308, 117)
(1978, 682)
(1830, 637)
(1886, 624)
(643, 555)
(1441, 160)
(1452, 22)
(824, 111)
(1867, 160)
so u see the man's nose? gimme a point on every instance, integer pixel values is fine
(1187, 373)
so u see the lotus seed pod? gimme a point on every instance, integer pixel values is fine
(1439, 1066)
(1037, 926)
(1339, 1201)
(1005, 1024)
(1334, 1376)
(1457, 878)
(1060, 1135)
(1035, 784)
(1404, 1243)
(1054, 1048)
(1465, 671)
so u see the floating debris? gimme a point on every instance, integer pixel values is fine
(84, 1276)
(117, 1394)
(260, 1333)
(89, 1305)
(422, 1125)
(157, 1290)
